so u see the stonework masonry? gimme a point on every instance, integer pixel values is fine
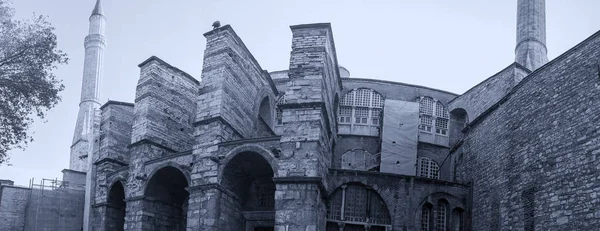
(247, 149)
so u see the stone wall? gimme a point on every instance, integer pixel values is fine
(165, 105)
(485, 94)
(234, 85)
(404, 195)
(13, 204)
(116, 125)
(533, 158)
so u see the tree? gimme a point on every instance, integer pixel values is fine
(28, 88)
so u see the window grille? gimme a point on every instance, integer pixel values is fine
(428, 168)
(425, 214)
(344, 114)
(363, 98)
(361, 205)
(431, 115)
(279, 116)
(362, 107)
(440, 217)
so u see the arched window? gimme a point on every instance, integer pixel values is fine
(362, 107)
(359, 159)
(428, 168)
(264, 111)
(353, 206)
(440, 216)
(434, 116)
(279, 111)
(426, 217)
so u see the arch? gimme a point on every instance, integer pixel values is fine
(173, 164)
(355, 203)
(115, 209)
(360, 112)
(264, 111)
(458, 121)
(426, 218)
(167, 198)
(457, 222)
(427, 167)
(359, 159)
(263, 152)
(247, 174)
(433, 116)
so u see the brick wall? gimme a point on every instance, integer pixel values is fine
(116, 125)
(540, 145)
(13, 204)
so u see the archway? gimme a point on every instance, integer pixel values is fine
(250, 178)
(354, 207)
(115, 208)
(264, 111)
(167, 199)
(458, 120)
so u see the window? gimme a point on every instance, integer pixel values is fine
(433, 112)
(440, 217)
(361, 107)
(428, 168)
(425, 216)
(279, 114)
(353, 204)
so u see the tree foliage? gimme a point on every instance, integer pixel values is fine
(28, 88)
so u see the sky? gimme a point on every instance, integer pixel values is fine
(446, 44)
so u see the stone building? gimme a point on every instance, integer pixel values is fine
(312, 148)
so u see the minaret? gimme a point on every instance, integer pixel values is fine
(90, 91)
(531, 49)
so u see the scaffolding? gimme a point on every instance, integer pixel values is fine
(54, 205)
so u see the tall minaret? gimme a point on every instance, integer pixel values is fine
(95, 43)
(531, 49)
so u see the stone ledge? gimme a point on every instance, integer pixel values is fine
(109, 160)
(184, 153)
(154, 58)
(112, 102)
(148, 141)
(214, 119)
(302, 180)
(217, 186)
(250, 140)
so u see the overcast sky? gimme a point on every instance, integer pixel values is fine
(446, 44)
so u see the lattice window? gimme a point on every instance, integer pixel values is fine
(365, 107)
(266, 195)
(361, 115)
(441, 126)
(440, 217)
(279, 116)
(377, 100)
(344, 114)
(428, 168)
(425, 216)
(375, 116)
(426, 106)
(440, 110)
(431, 115)
(426, 123)
(360, 205)
(363, 98)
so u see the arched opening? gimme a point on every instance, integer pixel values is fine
(427, 217)
(359, 159)
(360, 112)
(441, 215)
(167, 199)
(115, 209)
(458, 219)
(264, 111)
(355, 207)
(458, 120)
(250, 178)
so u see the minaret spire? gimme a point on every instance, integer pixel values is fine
(95, 44)
(531, 50)
(98, 8)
